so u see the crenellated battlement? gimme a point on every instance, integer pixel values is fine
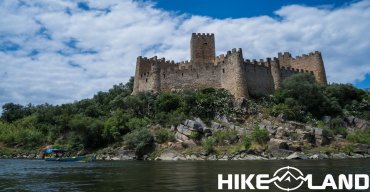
(242, 77)
(200, 35)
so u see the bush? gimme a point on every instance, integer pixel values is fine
(303, 90)
(227, 136)
(337, 125)
(24, 136)
(167, 102)
(208, 144)
(195, 135)
(139, 140)
(168, 119)
(292, 113)
(260, 136)
(115, 126)
(210, 103)
(164, 135)
(359, 137)
(246, 141)
(137, 123)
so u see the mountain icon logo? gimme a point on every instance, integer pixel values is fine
(289, 175)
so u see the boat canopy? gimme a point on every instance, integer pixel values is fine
(51, 150)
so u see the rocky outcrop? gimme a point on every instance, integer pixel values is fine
(170, 155)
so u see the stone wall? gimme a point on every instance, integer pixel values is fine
(230, 71)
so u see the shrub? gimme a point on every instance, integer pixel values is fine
(168, 119)
(359, 137)
(167, 102)
(260, 136)
(227, 136)
(292, 113)
(164, 135)
(211, 102)
(308, 95)
(137, 123)
(195, 135)
(115, 126)
(337, 125)
(246, 141)
(139, 140)
(208, 144)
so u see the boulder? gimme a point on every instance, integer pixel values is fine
(184, 130)
(275, 144)
(319, 156)
(297, 155)
(180, 136)
(321, 139)
(340, 156)
(190, 143)
(357, 123)
(193, 125)
(170, 155)
(123, 154)
(280, 133)
(280, 153)
(361, 148)
(292, 125)
(295, 146)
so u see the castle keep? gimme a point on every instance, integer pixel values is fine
(242, 78)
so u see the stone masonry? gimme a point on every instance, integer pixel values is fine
(243, 78)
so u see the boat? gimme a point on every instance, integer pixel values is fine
(51, 154)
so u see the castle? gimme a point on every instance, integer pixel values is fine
(243, 78)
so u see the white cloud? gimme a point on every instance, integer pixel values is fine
(66, 53)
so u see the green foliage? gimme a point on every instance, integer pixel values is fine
(301, 92)
(139, 140)
(195, 135)
(291, 112)
(167, 102)
(164, 135)
(88, 131)
(115, 126)
(301, 96)
(208, 144)
(12, 112)
(345, 94)
(27, 136)
(337, 125)
(227, 136)
(359, 137)
(260, 136)
(116, 115)
(211, 102)
(168, 119)
(246, 141)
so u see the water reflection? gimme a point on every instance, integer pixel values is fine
(35, 175)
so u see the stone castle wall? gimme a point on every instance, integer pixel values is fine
(242, 78)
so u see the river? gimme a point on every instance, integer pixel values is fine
(146, 176)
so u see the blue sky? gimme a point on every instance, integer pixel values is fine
(239, 8)
(67, 50)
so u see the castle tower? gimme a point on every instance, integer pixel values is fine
(233, 77)
(202, 48)
(319, 69)
(275, 72)
(156, 76)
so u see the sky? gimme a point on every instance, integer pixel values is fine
(59, 51)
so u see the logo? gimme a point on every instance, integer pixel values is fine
(289, 176)
(290, 179)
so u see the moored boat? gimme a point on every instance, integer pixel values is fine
(51, 154)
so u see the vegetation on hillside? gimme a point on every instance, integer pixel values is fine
(117, 116)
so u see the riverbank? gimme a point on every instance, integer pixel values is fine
(283, 140)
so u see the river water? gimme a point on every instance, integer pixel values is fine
(132, 176)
